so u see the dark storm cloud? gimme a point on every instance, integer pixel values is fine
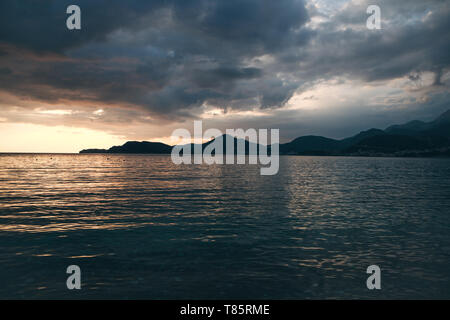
(188, 52)
(414, 37)
(40, 25)
(5, 71)
(261, 24)
(171, 57)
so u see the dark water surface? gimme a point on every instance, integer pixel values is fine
(140, 227)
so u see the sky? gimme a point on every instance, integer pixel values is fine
(137, 70)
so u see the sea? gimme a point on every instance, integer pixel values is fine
(141, 227)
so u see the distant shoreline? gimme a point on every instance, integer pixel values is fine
(413, 139)
(281, 155)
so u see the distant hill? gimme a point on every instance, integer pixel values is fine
(388, 143)
(348, 142)
(161, 148)
(438, 127)
(223, 139)
(415, 138)
(135, 147)
(310, 145)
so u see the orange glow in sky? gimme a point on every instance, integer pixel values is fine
(19, 137)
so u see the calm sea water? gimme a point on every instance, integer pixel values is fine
(140, 227)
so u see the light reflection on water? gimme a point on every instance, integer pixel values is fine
(141, 227)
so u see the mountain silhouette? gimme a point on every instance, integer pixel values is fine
(135, 147)
(438, 127)
(310, 145)
(248, 146)
(161, 148)
(415, 138)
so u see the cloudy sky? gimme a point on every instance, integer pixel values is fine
(137, 70)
